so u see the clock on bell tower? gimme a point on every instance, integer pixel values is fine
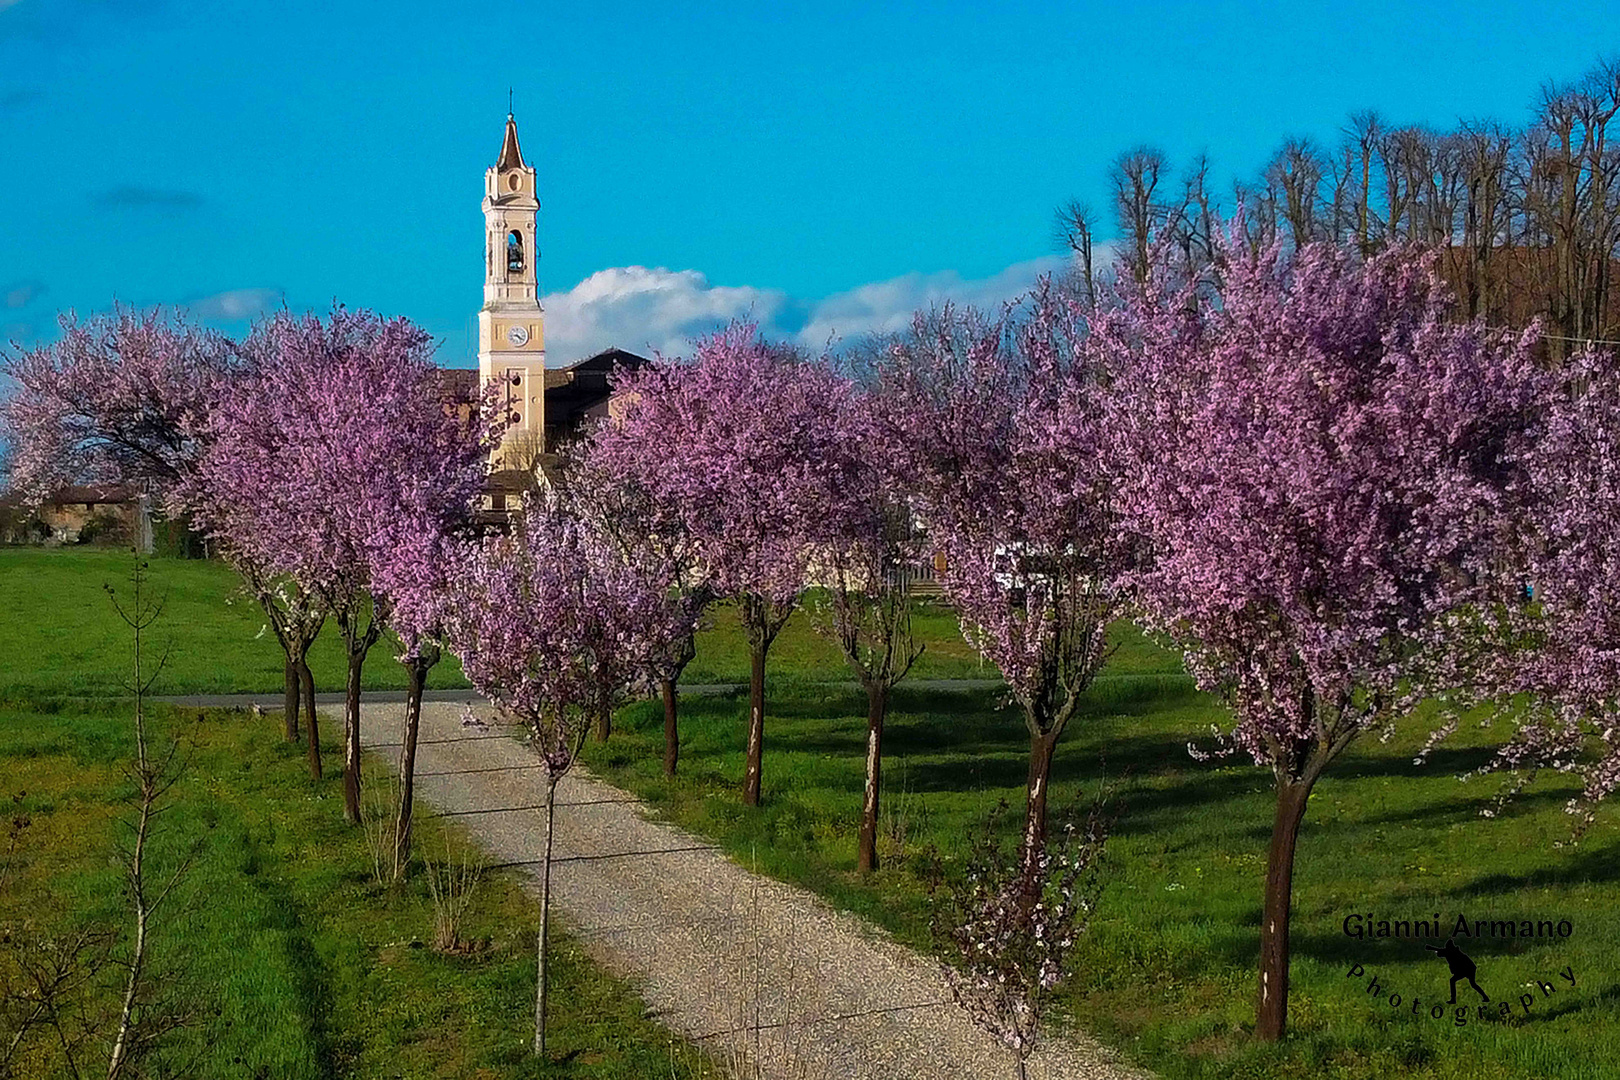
(511, 333)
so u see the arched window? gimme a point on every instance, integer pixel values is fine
(514, 253)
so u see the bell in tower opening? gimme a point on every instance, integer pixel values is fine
(514, 253)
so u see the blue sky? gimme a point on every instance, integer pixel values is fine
(825, 167)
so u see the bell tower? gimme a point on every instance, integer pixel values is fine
(511, 331)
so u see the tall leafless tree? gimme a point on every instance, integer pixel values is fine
(1135, 180)
(1525, 222)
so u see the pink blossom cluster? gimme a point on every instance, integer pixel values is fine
(333, 448)
(1013, 923)
(1313, 460)
(119, 398)
(999, 427)
(740, 445)
(552, 624)
(603, 483)
(1568, 638)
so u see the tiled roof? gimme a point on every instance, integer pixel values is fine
(91, 494)
(460, 384)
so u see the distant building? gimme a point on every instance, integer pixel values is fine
(79, 513)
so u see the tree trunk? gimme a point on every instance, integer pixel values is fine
(137, 895)
(756, 724)
(289, 712)
(1041, 746)
(545, 917)
(604, 721)
(307, 680)
(672, 737)
(416, 670)
(351, 740)
(877, 705)
(1271, 1018)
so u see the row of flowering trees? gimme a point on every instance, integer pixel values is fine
(1295, 465)
(1335, 498)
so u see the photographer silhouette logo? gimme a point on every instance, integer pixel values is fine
(1464, 971)
(1462, 967)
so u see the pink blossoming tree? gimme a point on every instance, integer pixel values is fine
(1564, 678)
(1314, 458)
(865, 553)
(124, 397)
(602, 483)
(1000, 429)
(336, 442)
(413, 565)
(736, 442)
(119, 398)
(546, 622)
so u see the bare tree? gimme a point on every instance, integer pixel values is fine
(1396, 151)
(1189, 224)
(1135, 180)
(54, 985)
(1570, 201)
(1295, 175)
(1076, 230)
(46, 987)
(141, 1018)
(1481, 152)
(1362, 139)
(1526, 223)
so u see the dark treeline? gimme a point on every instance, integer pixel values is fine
(1526, 221)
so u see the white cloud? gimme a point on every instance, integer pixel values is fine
(888, 305)
(234, 305)
(645, 310)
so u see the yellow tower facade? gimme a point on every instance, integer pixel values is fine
(511, 327)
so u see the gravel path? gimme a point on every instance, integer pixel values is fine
(730, 959)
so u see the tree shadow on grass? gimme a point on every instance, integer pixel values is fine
(1443, 761)
(1335, 949)
(1137, 761)
(1146, 807)
(1331, 948)
(1588, 866)
(1604, 999)
(1433, 814)
(1453, 810)
(973, 740)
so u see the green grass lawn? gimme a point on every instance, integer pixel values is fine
(1167, 973)
(296, 964)
(57, 636)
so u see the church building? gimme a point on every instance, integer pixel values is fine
(546, 401)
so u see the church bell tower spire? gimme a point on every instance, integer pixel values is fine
(511, 331)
